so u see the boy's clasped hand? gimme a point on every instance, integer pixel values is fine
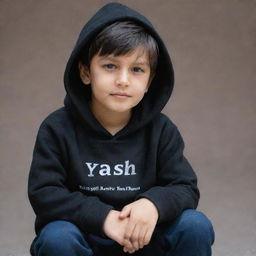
(133, 226)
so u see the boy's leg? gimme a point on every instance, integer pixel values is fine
(105, 246)
(60, 238)
(191, 234)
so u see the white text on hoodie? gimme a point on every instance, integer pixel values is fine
(106, 170)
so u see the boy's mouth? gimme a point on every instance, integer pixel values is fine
(120, 95)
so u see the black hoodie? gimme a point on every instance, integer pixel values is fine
(80, 171)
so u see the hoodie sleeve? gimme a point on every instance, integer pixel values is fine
(177, 183)
(48, 191)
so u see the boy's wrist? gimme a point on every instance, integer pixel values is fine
(110, 215)
(152, 204)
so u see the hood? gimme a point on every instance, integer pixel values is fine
(76, 100)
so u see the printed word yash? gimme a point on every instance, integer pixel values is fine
(108, 170)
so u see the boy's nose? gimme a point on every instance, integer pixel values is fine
(122, 79)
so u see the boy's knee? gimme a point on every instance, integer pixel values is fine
(191, 233)
(58, 236)
(196, 225)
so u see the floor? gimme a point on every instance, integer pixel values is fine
(212, 44)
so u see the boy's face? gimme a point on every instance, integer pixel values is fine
(118, 83)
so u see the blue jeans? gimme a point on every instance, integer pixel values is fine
(191, 234)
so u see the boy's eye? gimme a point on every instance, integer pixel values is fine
(137, 69)
(109, 66)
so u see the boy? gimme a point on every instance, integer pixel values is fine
(108, 175)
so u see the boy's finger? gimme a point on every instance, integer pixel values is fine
(142, 237)
(127, 250)
(147, 237)
(127, 246)
(129, 230)
(125, 212)
(135, 238)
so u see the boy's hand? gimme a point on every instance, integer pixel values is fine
(142, 217)
(114, 227)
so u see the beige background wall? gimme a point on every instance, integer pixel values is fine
(212, 44)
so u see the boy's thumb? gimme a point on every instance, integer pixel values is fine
(125, 212)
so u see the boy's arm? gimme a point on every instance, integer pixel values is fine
(177, 183)
(48, 192)
(176, 191)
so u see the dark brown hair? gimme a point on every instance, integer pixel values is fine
(120, 38)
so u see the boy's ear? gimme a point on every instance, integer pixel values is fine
(84, 73)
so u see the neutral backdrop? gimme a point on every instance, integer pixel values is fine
(212, 44)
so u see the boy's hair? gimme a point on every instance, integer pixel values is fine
(121, 38)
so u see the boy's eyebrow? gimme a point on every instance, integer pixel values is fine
(107, 58)
(142, 63)
(113, 59)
